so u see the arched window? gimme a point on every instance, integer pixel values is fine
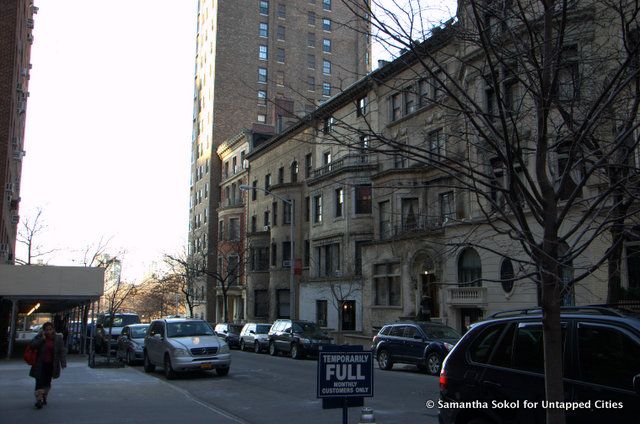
(507, 275)
(294, 172)
(469, 269)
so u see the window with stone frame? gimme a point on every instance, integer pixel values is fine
(387, 290)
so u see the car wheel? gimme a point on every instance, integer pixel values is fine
(272, 349)
(168, 369)
(295, 352)
(434, 363)
(222, 371)
(256, 347)
(242, 346)
(384, 360)
(148, 366)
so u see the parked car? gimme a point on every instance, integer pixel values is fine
(230, 333)
(500, 362)
(299, 338)
(131, 343)
(424, 344)
(255, 336)
(107, 325)
(183, 344)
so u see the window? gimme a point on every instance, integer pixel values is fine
(264, 29)
(311, 39)
(262, 98)
(317, 208)
(326, 24)
(409, 102)
(286, 254)
(280, 32)
(263, 53)
(282, 10)
(363, 199)
(281, 175)
(395, 107)
(386, 283)
(254, 224)
(326, 156)
(286, 215)
(306, 254)
(307, 209)
(361, 106)
(607, 356)
(328, 260)
(311, 61)
(326, 4)
(339, 202)
(308, 165)
(311, 18)
(357, 265)
(321, 313)
(507, 275)
(220, 230)
(410, 213)
(262, 75)
(274, 254)
(435, 141)
(234, 229)
(254, 191)
(326, 45)
(294, 171)
(384, 219)
(469, 269)
(233, 271)
(267, 181)
(446, 206)
(261, 303)
(280, 55)
(264, 7)
(267, 220)
(326, 67)
(567, 85)
(311, 83)
(490, 97)
(283, 303)
(482, 346)
(274, 209)
(260, 258)
(423, 92)
(326, 89)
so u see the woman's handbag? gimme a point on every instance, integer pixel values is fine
(30, 355)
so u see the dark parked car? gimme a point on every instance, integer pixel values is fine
(255, 336)
(499, 362)
(131, 343)
(112, 326)
(230, 333)
(299, 338)
(424, 344)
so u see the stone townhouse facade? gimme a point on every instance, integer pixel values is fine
(390, 236)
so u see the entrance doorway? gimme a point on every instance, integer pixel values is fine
(348, 315)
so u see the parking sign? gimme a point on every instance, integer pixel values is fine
(345, 373)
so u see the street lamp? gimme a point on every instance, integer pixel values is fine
(292, 285)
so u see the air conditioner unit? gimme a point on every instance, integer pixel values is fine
(267, 228)
(245, 164)
(286, 264)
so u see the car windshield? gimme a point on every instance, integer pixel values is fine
(118, 320)
(138, 332)
(306, 327)
(188, 329)
(440, 332)
(263, 329)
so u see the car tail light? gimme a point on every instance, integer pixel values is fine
(443, 380)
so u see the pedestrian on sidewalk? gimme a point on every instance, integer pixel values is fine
(52, 357)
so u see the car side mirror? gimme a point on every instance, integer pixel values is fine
(636, 383)
(252, 332)
(288, 330)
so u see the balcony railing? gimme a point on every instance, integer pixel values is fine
(231, 203)
(466, 296)
(345, 162)
(419, 225)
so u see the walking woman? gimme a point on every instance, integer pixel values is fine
(52, 357)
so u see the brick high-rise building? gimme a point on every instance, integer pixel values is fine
(260, 65)
(16, 23)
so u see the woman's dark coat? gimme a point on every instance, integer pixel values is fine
(59, 355)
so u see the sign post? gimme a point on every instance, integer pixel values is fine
(345, 377)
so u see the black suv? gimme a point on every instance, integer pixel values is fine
(299, 338)
(424, 344)
(498, 367)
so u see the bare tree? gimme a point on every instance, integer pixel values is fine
(531, 109)
(31, 229)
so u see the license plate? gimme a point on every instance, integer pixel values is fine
(206, 366)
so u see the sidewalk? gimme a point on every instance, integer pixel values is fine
(99, 395)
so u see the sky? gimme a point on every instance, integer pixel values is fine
(108, 131)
